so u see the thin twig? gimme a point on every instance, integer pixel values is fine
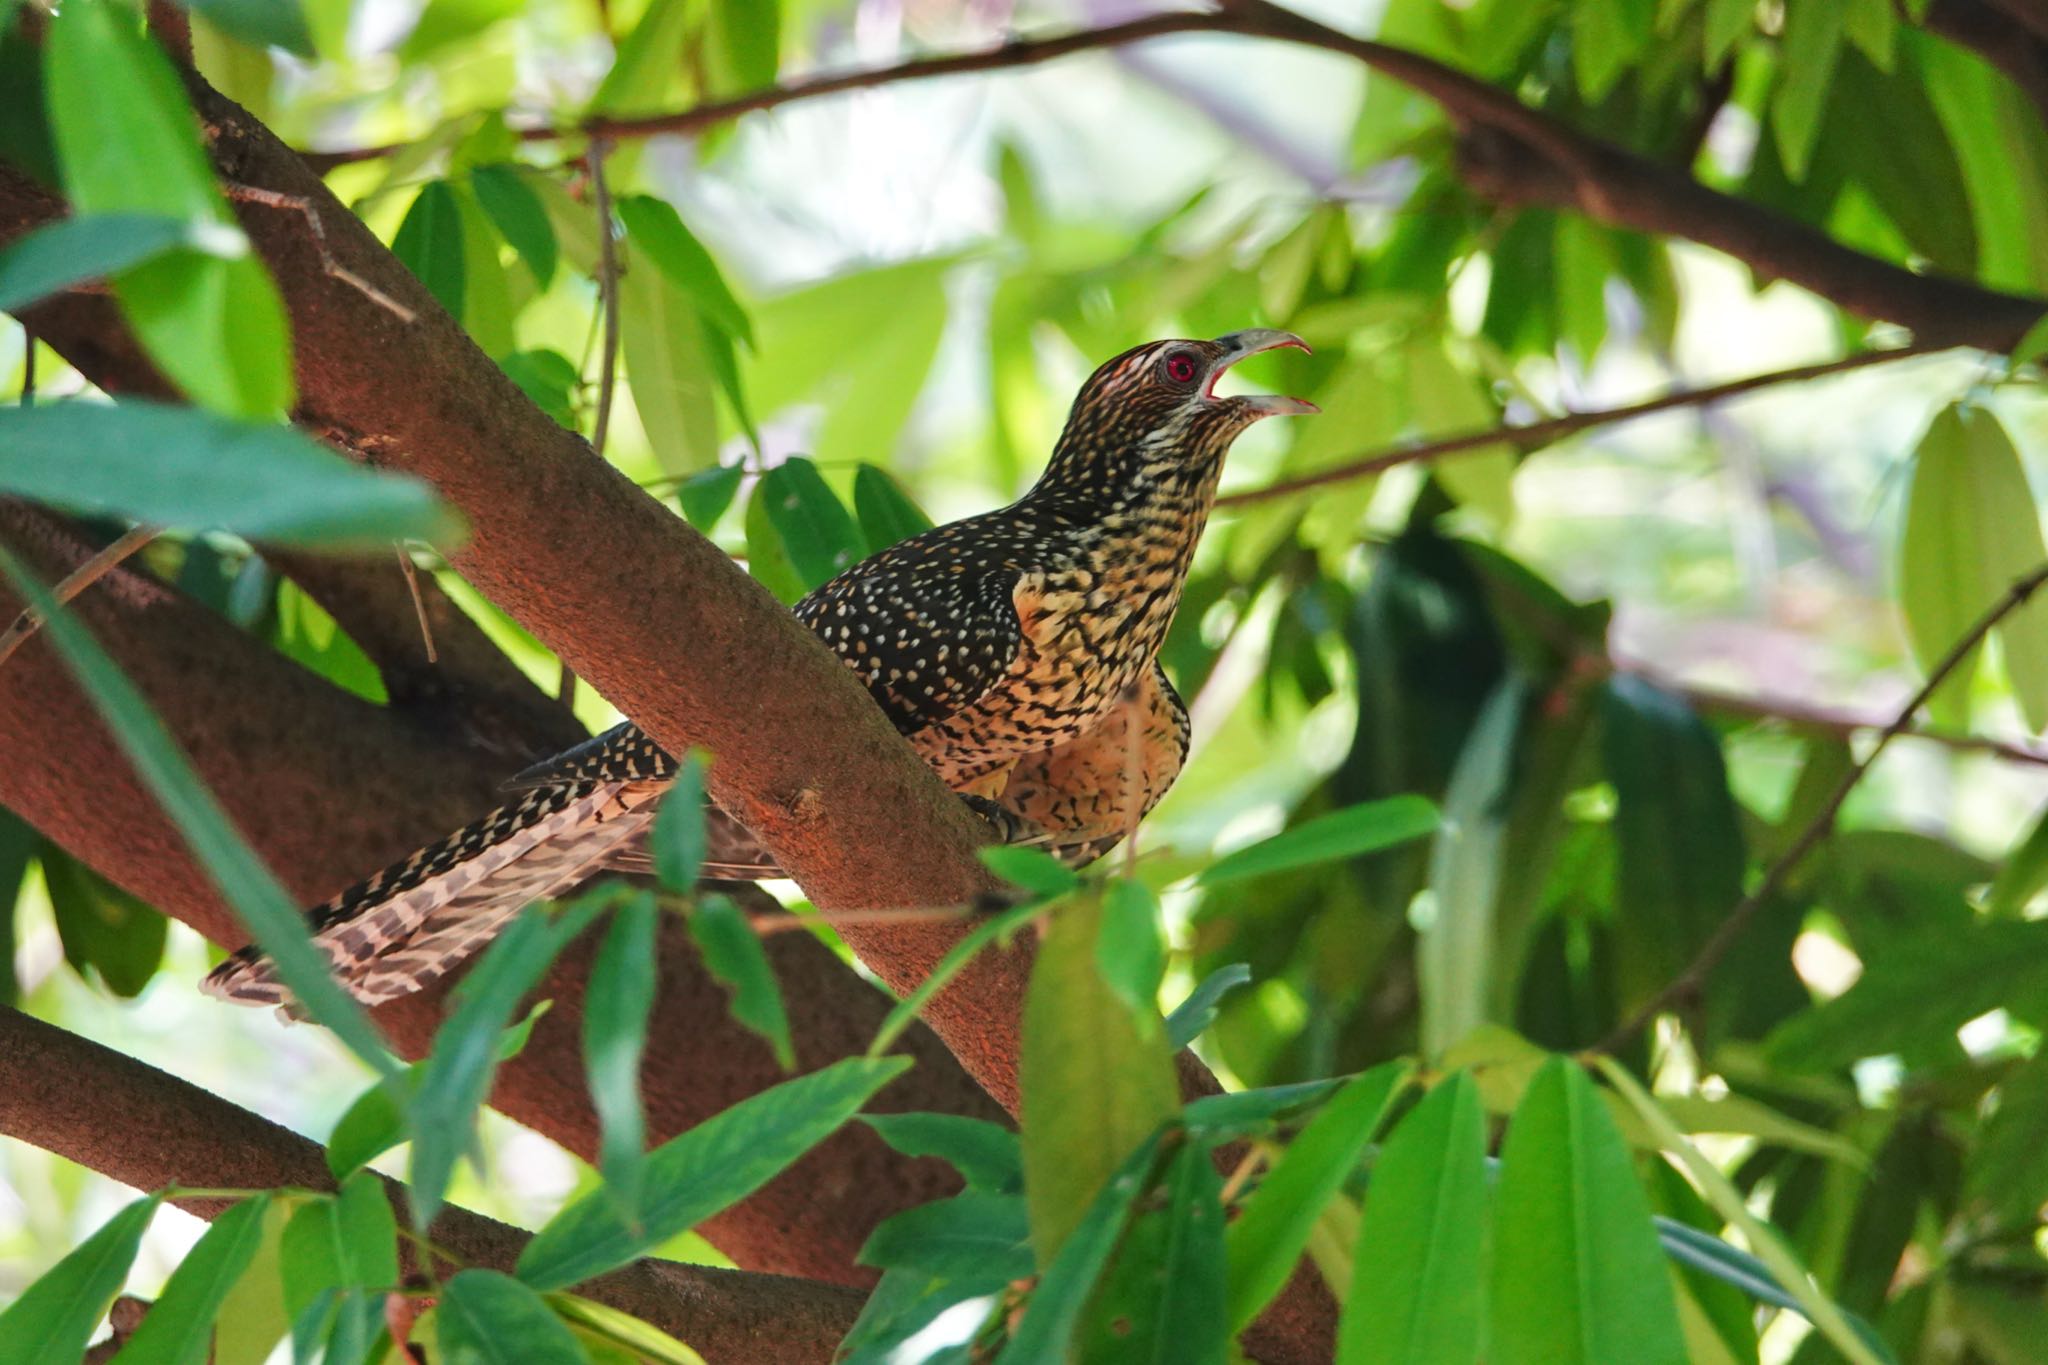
(1796, 712)
(1687, 985)
(329, 266)
(1534, 434)
(769, 922)
(608, 296)
(419, 603)
(77, 581)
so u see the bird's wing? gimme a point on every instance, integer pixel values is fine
(623, 753)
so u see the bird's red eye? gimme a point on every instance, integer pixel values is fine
(1180, 368)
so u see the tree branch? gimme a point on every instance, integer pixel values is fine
(1529, 436)
(1686, 987)
(135, 1124)
(1508, 152)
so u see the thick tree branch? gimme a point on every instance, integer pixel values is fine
(137, 1125)
(1508, 152)
(326, 786)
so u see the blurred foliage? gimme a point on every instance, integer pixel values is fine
(1487, 748)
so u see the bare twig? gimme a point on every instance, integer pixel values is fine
(291, 203)
(77, 581)
(1534, 434)
(1796, 712)
(1687, 985)
(419, 603)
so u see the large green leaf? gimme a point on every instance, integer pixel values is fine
(1970, 530)
(458, 1071)
(1578, 1278)
(1812, 42)
(520, 217)
(1163, 1301)
(1096, 1076)
(818, 534)
(658, 230)
(128, 143)
(54, 1317)
(886, 513)
(645, 72)
(349, 1241)
(733, 953)
(669, 371)
(678, 835)
(179, 466)
(74, 250)
(1131, 951)
(270, 915)
(615, 1010)
(1267, 1241)
(429, 241)
(1422, 1246)
(1349, 833)
(975, 1233)
(252, 1318)
(719, 1162)
(259, 23)
(102, 926)
(986, 1155)
(178, 1329)
(486, 1318)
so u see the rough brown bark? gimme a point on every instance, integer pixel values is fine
(147, 1129)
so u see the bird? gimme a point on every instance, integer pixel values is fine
(1017, 650)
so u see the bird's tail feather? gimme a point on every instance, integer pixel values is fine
(405, 927)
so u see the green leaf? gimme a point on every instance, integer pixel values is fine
(252, 1318)
(128, 143)
(1727, 1201)
(549, 378)
(1096, 1078)
(744, 38)
(655, 226)
(678, 835)
(521, 219)
(371, 1126)
(615, 1010)
(1032, 869)
(1806, 69)
(244, 882)
(986, 1154)
(176, 466)
(429, 241)
(1194, 1014)
(1422, 1246)
(1970, 530)
(668, 371)
(767, 558)
(1578, 1277)
(958, 956)
(886, 513)
(972, 1233)
(1455, 949)
(818, 534)
(2033, 343)
(733, 953)
(704, 497)
(178, 1329)
(102, 926)
(349, 1241)
(338, 1327)
(1239, 1114)
(62, 254)
(2008, 1171)
(259, 23)
(1163, 1300)
(2023, 873)
(486, 1318)
(1130, 954)
(648, 62)
(1268, 1239)
(457, 1073)
(55, 1316)
(647, 1343)
(1052, 1314)
(716, 1164)
(1349, 833)
(1606, 36)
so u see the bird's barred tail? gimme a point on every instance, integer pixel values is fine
(408, 925)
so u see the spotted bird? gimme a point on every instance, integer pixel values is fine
(1017, 651)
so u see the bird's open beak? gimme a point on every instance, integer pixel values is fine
(1251, 341)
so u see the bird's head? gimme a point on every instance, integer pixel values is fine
(1155, 408)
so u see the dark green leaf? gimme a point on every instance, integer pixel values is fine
(338, 1327)
(678, 835)
(704, 497)
(178, 466)
(1032, 869)
(1268, 1239)
(817, 534)
(1349, 833)
(1578, 1277)
(1163, 1299)
(615, 1009)
(516, 211)
(986, 1154)
(733, 953)
(102, 926)
(903, 1304)
(491, 1319)
(1096, 1078)
(970, 1234)
(348, 1241)
(886, 513)
(17, 846)
(2022, 875)
(1198, 1011)
(1239, 1114)
(767, 557)
(657, 229)
(55, 1316)
(2008, 1172)
(93, 247)
(1422, 1244)
(1130, 953)
(717, 1163)
(128, 143)
(429, 241)
(261, 903)
(457, 1073)
(549, 379)
(178, 1329)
